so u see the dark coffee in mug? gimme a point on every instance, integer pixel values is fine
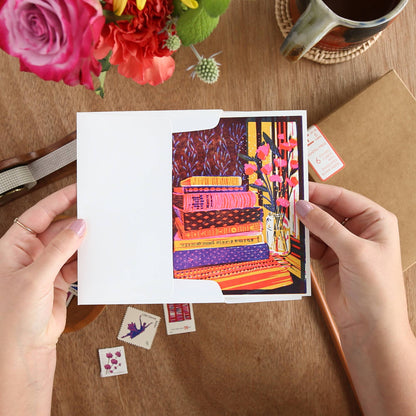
(361, 10)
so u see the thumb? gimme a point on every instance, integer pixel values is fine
(326, 227)
(58, 251)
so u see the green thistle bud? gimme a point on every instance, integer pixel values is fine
(173, 43)
(207, 70)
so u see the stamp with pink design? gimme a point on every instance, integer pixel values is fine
(112, 361)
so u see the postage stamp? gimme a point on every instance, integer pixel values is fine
(138, 328)
(112, 361)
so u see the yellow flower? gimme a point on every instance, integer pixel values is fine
(192, 4)
(120, 5)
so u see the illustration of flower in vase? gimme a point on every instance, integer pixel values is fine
(276, 167)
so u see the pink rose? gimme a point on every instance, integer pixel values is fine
(54, 39)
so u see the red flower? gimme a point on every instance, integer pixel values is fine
(285, 146)
(263, 151)
(294, 164)
(249, 169)
(266, 169)
(292, 182)
(138, 45)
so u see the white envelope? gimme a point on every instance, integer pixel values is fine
(126, 258)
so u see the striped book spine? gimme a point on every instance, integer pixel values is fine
(212, 181)
(219, 218)
(230, 241)
(220, 255)
(217, 231)
(204, 189)
(266, 274)
(214, 200)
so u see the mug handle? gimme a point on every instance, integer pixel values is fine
(314, 23)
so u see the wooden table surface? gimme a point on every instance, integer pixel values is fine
(256, 359)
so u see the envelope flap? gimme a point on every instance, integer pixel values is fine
(143, 171)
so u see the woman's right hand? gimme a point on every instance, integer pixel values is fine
(361, 259)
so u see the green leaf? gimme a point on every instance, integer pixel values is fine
(100, 90)
(111, 17)
(269, 207)
(247, 158)
(105, 62)
(259, 187)
(273, 147)
(195, 25)
(215, 8)
(178, 8)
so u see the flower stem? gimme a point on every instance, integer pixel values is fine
(199, 57)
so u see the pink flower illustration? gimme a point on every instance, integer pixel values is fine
(267, 169)
(114, 361)
(258, 182)
(282, 202)
(109, 355)
(294, 164)
(280, 163)
(118, 353)
(263, 151)
(107, 366)
(276, 178)
(249, 168)
(292, 182)
(281, 136)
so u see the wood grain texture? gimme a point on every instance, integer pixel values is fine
(260, 359)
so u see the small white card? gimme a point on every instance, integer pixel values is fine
(323, 158)
(179, 318)
(138, 328)
(112, 361)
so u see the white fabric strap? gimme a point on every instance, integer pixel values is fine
(28, 175)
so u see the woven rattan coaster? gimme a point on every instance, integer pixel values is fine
(316, 54)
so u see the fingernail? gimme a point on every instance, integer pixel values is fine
(78, 226)
(303, 208)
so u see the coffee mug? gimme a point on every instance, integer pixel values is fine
(336, 24)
